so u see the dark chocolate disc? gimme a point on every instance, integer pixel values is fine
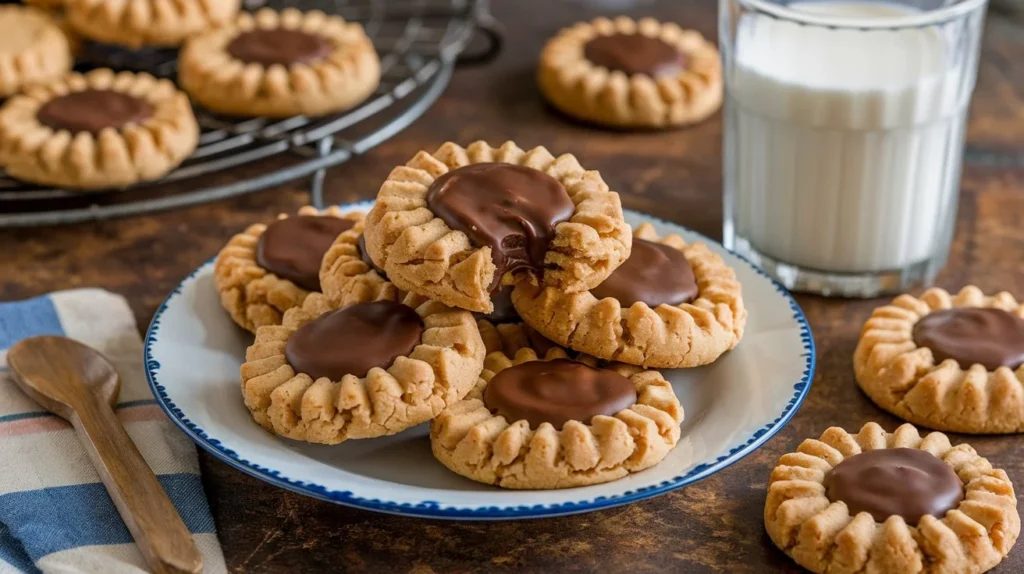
(655, 274)
(93, 111)
(973, 335)
(278, 46)
(510, 208)
(353, 340)
(365, 256)
(503, 311)
(888, 482)
(556, 392)
(293, 247)
(635, 54)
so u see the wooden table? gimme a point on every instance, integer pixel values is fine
(714, 525)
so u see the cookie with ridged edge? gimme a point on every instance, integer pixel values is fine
(823, 536)
(441, 369)
(252, 295)
(34, 49)
(667, 336)
(907, 380)
(346, 279)
(421, 254)
(339, 79)
(472, 441)
(116, 156)
(138, 23)
(597, 94)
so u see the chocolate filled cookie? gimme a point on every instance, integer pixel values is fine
(269, 269)
(948, 362)
(33, 49)
(626, 73)
(139, 23)
(459, 224)
(280, 64)
(670, 305)
(97, 131)
(348, 275)
(327, 375)
(880, 502)
(554, 422)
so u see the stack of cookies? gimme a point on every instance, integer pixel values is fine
(108, 129)
(496, 292)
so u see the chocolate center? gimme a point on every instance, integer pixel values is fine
(970, 335)
(511, 209)
(278, 46)
(293, 247)
(655, 274)
(353, 340)
(888, 482)
(93, 111)
(503, 312)
(635, 54)
(365, 256)
(556, 392)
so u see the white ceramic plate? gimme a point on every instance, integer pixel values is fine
(193, 353)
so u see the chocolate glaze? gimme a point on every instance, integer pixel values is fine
(353, 340)
(635, 54)
(655, 274)
(888, 482)
(293, 247)
(970, 335)
(365, 256)
(503, 312)
(278, 46)
(510, 208)
(93, 111)
(556, 392)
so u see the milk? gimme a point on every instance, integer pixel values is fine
(843, 145)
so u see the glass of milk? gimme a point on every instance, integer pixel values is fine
(844, 132)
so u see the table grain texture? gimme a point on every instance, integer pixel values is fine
(712, 526)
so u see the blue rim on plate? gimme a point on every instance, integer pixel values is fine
(432, 509)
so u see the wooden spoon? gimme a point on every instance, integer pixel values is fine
(79, 384)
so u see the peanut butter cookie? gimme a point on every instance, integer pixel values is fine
(269, 269)
(947, 362)
(670, 305)
(458, 224)
(98, 130)
(349, 276)
(33, 49)
(366, 370)
(631, 74)
(552, 422)
(138, 23)
(880, 502)
(281, 64)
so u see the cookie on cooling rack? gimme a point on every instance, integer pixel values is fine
(138, 23)
(948, 362)
(553, 422)
(268, 269)
(457, 224)
(33, 49)
(366, 370)
(281, 64)
(631, 74)
(670, 305)
(880, 502)
(96, 131)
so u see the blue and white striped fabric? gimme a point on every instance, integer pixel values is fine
(55, 515)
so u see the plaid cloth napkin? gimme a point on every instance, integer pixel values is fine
(55, 515)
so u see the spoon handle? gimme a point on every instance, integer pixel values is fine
(162, 537)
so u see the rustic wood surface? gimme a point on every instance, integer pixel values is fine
(713, 526)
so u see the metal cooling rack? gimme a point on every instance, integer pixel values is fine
(419, 42)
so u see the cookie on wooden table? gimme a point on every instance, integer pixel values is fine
(97, 131)
(458, 224)
(890, 503)
(281, 64)
(631, 74)
(33, 49)
(947, 362)
(138, 23)
(670, 305)
(553, 422)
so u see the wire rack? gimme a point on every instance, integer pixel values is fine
(419, 42)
